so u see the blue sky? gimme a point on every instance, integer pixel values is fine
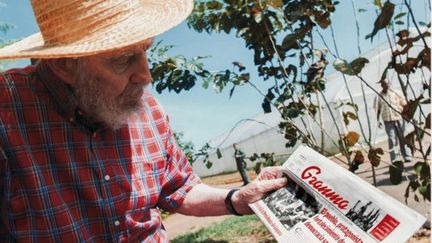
(203, 114)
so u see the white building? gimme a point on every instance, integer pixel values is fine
(261, 133)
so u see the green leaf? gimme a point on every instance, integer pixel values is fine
(424, 57)
(358, 64)
(359, 158)
(374, 156)
(341, 65)
(266, 106)
(418, 167)
(362, 10)
(214, 5)
(411, 107)
(231, 91)
(218, 153)
(406, 195)
(352, 138)
(410, 139)
(258, 17)
(270, 96)
(239, 65)
(275, 3)
(399, 22)
(209, 164)
(400, 15)
(414, 184)
(383, 18)
(205, 84)
(291, 143)
(378, 3)
(426, 101)
(290, 41)
(226, 23)
(292, 113)
(428, 122)
(422, 23)
(352, 68)
(226, 76)
(425, 172)
(425, 191)
(395, 171)
(322, 19)
(348, 115)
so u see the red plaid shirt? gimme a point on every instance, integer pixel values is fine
(62, 180)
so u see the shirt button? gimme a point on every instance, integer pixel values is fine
(107, 177)
(116, 223)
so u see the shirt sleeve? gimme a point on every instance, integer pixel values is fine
(376, 104)
(401, 97)
(4, 165)
(179, 177)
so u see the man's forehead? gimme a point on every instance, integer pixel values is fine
(140, 46)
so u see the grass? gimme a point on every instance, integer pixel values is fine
(234, 229)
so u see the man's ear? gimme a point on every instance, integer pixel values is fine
(64, 68)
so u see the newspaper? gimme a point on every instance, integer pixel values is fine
(325, 203)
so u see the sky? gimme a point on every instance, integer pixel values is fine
(202, 114)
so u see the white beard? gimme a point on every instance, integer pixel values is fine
(99, 106)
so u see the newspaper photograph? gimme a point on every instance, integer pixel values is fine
(323, 202)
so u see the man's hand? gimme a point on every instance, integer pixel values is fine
(268, 180)
(380, 125)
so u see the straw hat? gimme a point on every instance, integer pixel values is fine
(73, 28)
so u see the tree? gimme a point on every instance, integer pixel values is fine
(282, 32)
(4, 28)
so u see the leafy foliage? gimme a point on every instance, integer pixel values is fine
(374, 156)
(281, 36)
(395, 171)
(187, 147)
(263, 160)
(421, 183)
(383, 18)
(4, 28)
(353, 68)
(357, 161)
(179, 73)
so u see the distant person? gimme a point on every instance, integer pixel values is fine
(393, 121)
(241, 164)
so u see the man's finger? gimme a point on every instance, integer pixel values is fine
(269, 173)
(270, 185)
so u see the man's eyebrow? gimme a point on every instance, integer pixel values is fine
(130, 52)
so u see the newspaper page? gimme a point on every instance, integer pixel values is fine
(324, 202)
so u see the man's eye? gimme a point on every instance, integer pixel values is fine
(123, 62)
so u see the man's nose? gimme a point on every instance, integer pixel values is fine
(142, 73)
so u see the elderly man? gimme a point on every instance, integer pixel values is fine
(87, 155)
(393, 121)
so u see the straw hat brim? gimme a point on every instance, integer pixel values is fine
(155, 18)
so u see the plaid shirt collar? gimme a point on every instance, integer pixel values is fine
(63, 98)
